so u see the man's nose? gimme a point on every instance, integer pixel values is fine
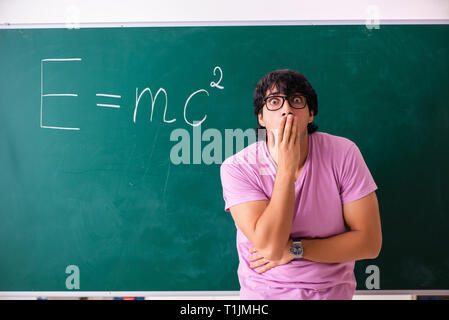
(286, 108)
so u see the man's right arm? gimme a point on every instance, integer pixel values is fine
(267, 223)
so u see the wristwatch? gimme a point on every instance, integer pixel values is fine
(297, 249)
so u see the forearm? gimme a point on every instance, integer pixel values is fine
(274, 225)
(349, 246)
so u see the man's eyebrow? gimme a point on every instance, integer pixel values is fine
(276, 93)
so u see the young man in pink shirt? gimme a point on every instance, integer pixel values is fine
(303, 202)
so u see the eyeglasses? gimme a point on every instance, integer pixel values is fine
(274, 103)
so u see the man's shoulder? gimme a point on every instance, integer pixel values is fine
(332, 142)
(246, 156)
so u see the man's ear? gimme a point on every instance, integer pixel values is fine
(311, 116)
(260, 119)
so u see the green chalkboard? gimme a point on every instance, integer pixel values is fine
(87, 180)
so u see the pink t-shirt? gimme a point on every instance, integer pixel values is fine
(334, 173)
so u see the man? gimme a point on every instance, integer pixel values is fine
(303, 201)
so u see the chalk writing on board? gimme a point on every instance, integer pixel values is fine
(54, 94)
(161, 92)
(217, 84)
(153, 101)
(109, 96)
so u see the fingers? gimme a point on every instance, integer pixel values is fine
(281, 129)
(288, 129)
(255, 256)
(260, 264)
(293, 135)
(265, 266)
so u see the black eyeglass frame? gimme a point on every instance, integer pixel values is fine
(283, 101)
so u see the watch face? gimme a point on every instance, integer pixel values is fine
(296, 249)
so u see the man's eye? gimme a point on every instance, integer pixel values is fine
(274, 101)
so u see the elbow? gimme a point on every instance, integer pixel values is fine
(375, 247)
(269, 247)
(374, 254)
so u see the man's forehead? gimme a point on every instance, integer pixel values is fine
(275, 90)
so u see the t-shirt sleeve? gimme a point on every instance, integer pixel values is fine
(356, 179)
(238, 187)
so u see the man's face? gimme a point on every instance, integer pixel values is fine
(271, 119)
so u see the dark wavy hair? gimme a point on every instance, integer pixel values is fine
(287, 82)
